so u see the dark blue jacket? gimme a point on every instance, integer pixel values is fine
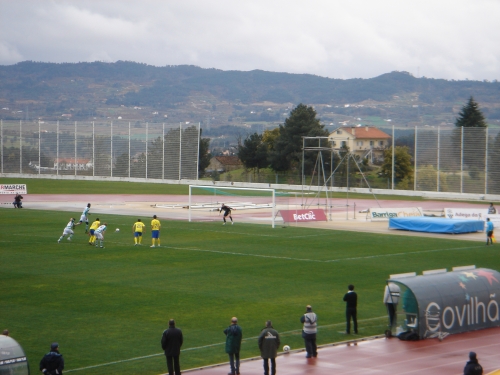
(53, 363)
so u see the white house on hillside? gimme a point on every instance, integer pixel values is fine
(367, 142)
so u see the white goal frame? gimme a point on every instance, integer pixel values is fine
(273, 215)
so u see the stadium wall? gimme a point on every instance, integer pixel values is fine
(285, 187)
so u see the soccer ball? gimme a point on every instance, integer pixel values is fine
(117, 230)
(286, 349)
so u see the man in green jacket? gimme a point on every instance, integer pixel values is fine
(234, 334)
(269, 342)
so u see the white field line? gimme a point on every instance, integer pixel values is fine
(287, 333)
(106, 242)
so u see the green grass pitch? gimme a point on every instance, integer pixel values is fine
(107, 308)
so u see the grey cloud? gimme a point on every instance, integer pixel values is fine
(359, 38)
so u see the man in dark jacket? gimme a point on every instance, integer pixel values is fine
(52, 363)
(351, 300)
(269, 342)
(171, 343)
(234, 334)
(473, 367)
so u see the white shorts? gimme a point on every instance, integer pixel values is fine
(99, 236)
(67, 231)
(83, 218)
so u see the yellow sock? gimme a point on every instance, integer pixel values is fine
(158, 242)
(140, 240)
(135, 240)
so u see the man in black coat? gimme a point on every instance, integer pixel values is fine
(351, 299)
(171, 343)
(52, 363)
(473, 367)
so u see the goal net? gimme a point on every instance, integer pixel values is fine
(247, 204)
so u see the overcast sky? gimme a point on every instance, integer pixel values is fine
(450, 39)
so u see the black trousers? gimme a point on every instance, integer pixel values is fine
(266, 366)
(391, 309)
(311, 347)
(173, 365)
(351, 313)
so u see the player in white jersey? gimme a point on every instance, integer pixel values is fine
(83, 218)
(68, 230)
(99, 235)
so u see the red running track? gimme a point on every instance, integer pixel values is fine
(384, 356)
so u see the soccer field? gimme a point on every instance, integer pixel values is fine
(108, 307)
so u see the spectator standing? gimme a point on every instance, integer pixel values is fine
(309, 330)
(171, 342)
(351, 300)
(234, 334)
(472, 367)
(52, 363)
(269, 342)
(155, 231)
(492, 210)
(391, 299)
(489, 231)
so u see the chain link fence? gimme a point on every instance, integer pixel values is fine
(455, 160)
(458, 160)
(114, 149)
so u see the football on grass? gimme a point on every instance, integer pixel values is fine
(286, 348)
(117, 230)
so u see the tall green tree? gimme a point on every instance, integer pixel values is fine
(471, 116)
(253, 152)
(287, 152)
(403, 166)
(474, 126)
(204, 155)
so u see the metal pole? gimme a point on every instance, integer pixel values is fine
(1, 141)
(93, 149)
(163, 153)
(111, 150)
(347, 190)
(75, 148)
(416, 164)
(57, 151)
(393, 152)
(461, 160)
(129, 150)
(302, 172)
(21, 146)
(198, 153)
(486, 164)
(39, 146)
(147, 140)
(438, 157)
(180, 149)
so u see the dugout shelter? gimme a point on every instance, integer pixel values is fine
(12, 357)
(439, 303)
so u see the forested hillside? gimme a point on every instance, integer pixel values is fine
(139, 92)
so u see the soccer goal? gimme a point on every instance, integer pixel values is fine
(247, 204)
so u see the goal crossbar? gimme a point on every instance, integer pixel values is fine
(237, 205)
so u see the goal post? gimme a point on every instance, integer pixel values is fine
(255, 204)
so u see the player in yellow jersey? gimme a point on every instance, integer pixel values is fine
(155, 231)
(92, 229)
(137, 229)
